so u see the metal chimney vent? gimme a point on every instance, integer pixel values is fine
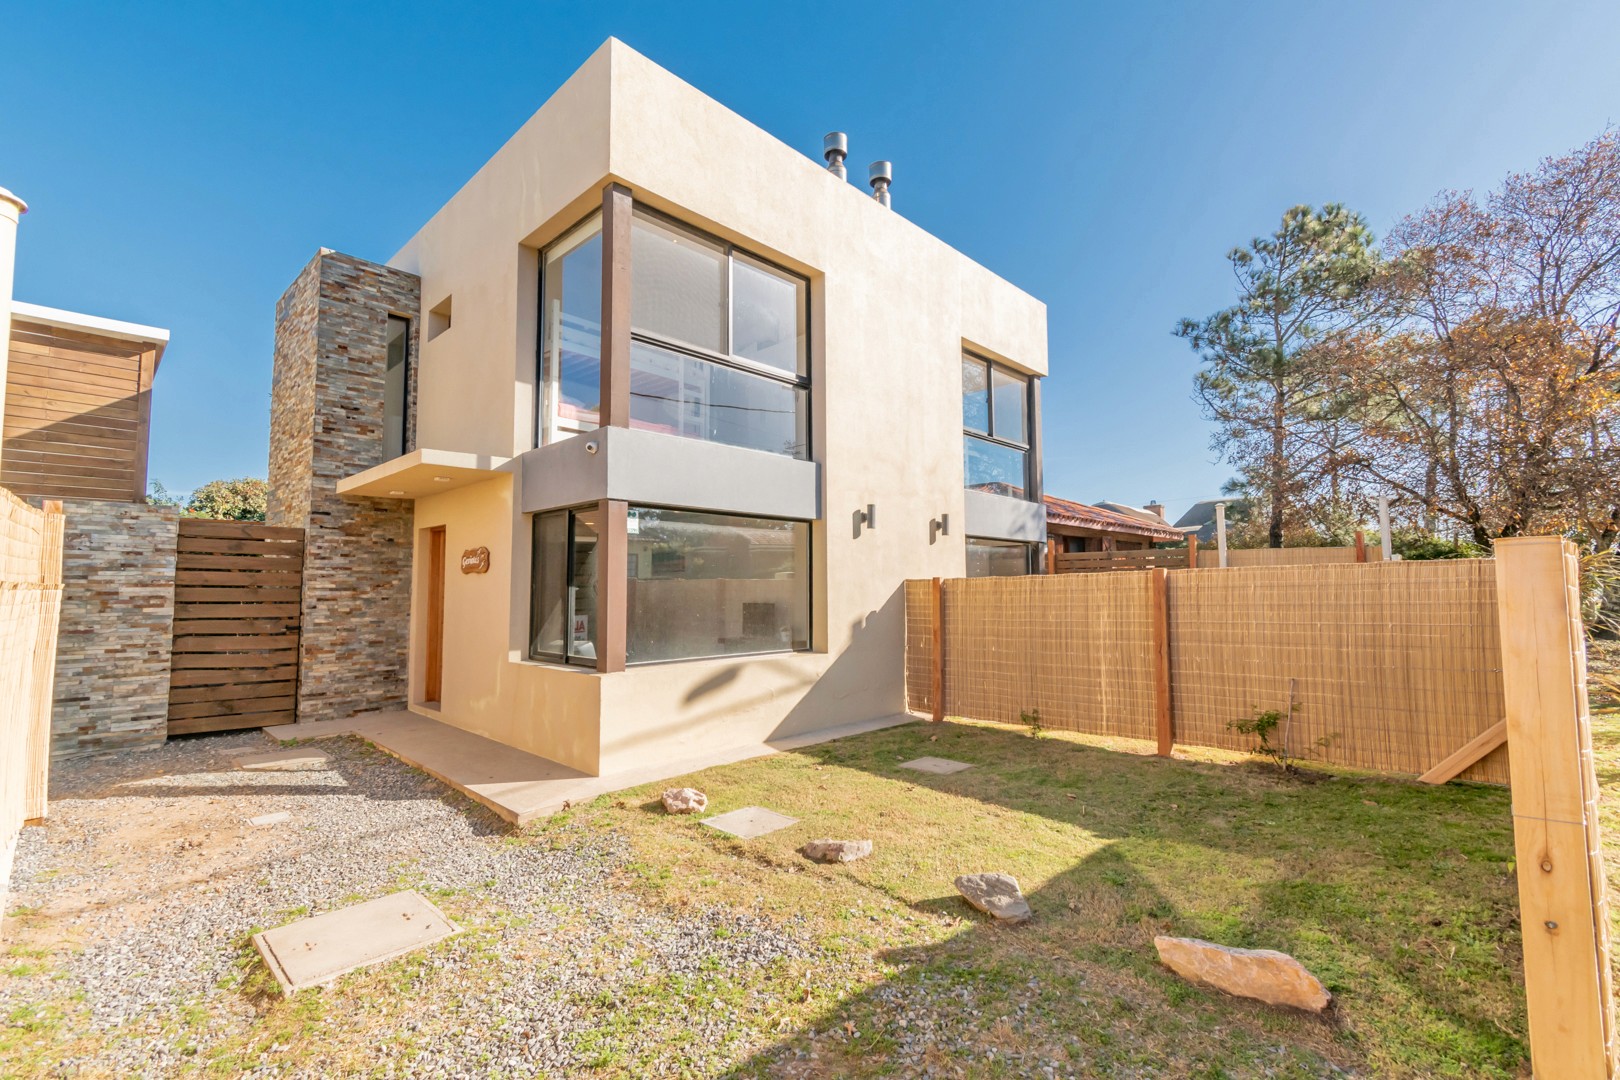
(881, 175)
(835, 148)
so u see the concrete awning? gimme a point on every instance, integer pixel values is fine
(422, 472)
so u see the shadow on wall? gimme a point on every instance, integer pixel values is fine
(1412, 923)
(865, 681)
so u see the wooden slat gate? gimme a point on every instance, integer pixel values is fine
(237, 592)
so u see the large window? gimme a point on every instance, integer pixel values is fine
(715, 585)
(995, 428)
(720, 342)
(998, 558)
(571, 333)
(396, 386)
(562, 613)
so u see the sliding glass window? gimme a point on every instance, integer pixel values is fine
(720, 342)
(995, 423)
(571, 333)
(715, 585)
(562, 611)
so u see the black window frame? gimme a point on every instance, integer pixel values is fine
(404, 446)
(569, 566)
(797, 380)
(989, 434)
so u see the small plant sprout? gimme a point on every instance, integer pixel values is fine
(1031, 719)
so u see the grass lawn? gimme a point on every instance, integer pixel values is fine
(1400, 897)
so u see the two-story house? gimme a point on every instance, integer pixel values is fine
(625, 456)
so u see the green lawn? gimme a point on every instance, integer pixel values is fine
(1400, 897)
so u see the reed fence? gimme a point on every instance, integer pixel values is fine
(1388, 666)
(30, 609)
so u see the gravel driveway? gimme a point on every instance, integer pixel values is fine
(130, 912)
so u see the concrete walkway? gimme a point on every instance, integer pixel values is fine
(520, 786)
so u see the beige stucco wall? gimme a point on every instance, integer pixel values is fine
(892, 308)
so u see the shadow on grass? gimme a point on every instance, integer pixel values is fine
(1400, 897)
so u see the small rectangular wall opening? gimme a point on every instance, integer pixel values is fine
(433, 618)
(438, 320)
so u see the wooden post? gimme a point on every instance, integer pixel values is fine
(48, 600)
(936, 688)
(1361, 546)
(1051, 554)
(1159, 612)
(1192, 551)
(612, 585)
(1563, 911)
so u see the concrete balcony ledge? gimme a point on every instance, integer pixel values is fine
(421, 473)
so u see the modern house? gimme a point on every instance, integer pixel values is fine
(626, 455)
(1074, 526)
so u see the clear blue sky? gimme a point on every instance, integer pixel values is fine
(183, 160)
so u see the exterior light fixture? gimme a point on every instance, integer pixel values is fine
(396, 492)
(441, 479)
(590, 447)
(868, 517)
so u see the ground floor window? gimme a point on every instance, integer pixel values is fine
(715, 585)
(562, 614)
(998, 558)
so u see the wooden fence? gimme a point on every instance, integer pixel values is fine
(1095, 562)
(237, 601)
(30, 607)
(1390, 667)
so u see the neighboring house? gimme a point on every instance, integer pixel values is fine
(75, 395)
(1200, 519)
(1073, 526)
(624, 458)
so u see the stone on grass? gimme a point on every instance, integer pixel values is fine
(837, 851)
(685, 800)
(997, 895)
(1264, 974)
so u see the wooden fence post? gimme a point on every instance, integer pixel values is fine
(1361, 546)
(48, 601)
(1159, 612)
(936, 687)
(1192, 551)
(1563, 912)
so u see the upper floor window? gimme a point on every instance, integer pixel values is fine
(995, 423)
(396, 386)
(719, 341)
(571, 332)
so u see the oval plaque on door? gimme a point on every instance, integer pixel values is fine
(475, 561)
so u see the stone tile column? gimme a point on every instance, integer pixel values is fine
(326, 423)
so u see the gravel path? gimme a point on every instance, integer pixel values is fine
(140, 893)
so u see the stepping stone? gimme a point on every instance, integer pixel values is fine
(937, 765)
(270, 819)
(282, 760)
(313, 951)
(749, 822)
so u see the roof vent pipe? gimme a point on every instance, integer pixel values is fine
(881, 174)
(835, 148)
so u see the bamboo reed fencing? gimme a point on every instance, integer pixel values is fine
(1389, 667)
(30, 610)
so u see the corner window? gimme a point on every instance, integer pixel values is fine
(571, 333)
(562, 611)
(995, 425)
(715, 585)
(720, 342)
(998, 558)
(396, 386)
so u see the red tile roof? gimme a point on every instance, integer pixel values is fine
(1086, 516)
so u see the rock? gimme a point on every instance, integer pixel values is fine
(685, 800)
(997, 895)
(1264, 974)
(837, 851)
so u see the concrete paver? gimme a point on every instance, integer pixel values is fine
(317, 950)
(749, 822)
(937, 765)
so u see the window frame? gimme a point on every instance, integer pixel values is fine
(565, 657)
(1030, 557)
(797, 380)
(989, 434)
(548, 426)
(404, 446)
(809, 589)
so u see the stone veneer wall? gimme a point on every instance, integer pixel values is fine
(112, 652)
(326, 422)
